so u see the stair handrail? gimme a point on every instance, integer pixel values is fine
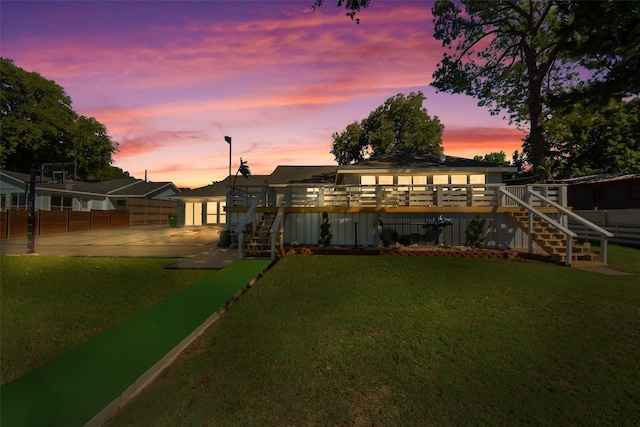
(604, 234)
(568, 233)
(245, 218)
(278, 220)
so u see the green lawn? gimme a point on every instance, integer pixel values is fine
(50, 305)
(334, 340)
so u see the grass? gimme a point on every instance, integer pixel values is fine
(333, 340)
(52, 304)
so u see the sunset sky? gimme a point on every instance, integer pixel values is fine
(169, 79)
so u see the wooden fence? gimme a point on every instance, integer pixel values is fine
(623, 223)
(149, 211)
(13, 223)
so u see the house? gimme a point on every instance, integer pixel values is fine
(83, 205)
(422, 199)
(79, 196)
(619, 190)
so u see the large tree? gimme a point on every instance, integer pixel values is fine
(585, 141)
(38, 125)
(520, 57)
(604, 38)
(509, 55)
(401, 123)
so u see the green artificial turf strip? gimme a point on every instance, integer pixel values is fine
(73, 388)
(50, 305)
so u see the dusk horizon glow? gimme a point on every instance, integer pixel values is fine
(169, 79)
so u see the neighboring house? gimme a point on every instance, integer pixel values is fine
(206, 205)
(115, 194)
(422, 198)
(620, 190)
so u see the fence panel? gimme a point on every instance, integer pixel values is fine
(623, 223)
(54, 222)
(100, 219)
(119, 219)
(79, 221)
(147, 211)
(17, 224)
(3, 225)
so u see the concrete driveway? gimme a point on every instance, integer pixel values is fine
(199, 244)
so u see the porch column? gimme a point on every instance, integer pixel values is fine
(439, 199)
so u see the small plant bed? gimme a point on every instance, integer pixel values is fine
(414, 250)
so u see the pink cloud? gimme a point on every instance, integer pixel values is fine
(170, 81)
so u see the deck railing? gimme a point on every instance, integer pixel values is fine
(404, 195)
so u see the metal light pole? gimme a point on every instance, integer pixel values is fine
(228, 139)
(227, 239)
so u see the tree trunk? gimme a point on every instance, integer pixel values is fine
(536, 128)
(536, 135)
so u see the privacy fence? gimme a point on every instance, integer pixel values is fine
(623, 223)
(13, 223)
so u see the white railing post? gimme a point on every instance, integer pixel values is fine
(562, 190)
(527, 194)
(439, 198)
(320, 201)
(603, 248)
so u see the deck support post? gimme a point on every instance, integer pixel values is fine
(603, 248)
(530, 233)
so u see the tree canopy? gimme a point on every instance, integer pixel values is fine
(38, 125)
(605, 41)
(401, 123)
(499, 158)
(507, 54)
(538, 62)
(586, 141)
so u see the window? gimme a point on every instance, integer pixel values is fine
(18, 201)
(367, 180)
(476, 179)
(61, 203)
(385, 180)
(634, 191)
(222, 213)
(420, 180)
(404, 182)
(459, 179)
(440, 179)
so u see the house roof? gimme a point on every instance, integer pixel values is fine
(412, 161)
(219, 189)
(603, 177)
(303, 175)
(19, 176)
(126, 187)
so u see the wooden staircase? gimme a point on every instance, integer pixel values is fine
(550, 239)
(260, 245)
